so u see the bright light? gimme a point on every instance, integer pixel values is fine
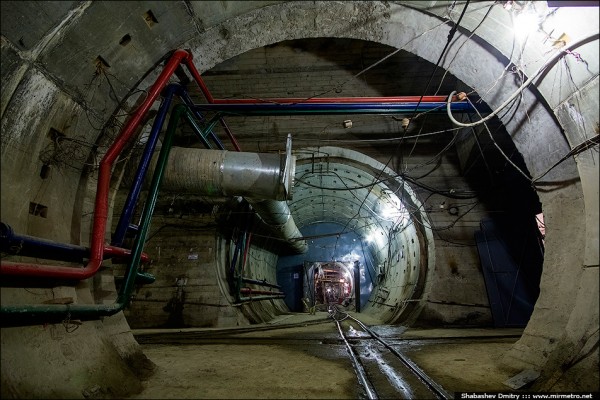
(375, 237)
(349, 258)
(526, 22)
(388, 211)
(391, 209)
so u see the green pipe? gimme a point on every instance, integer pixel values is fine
(211, 124)
(238, 267)
(255, 298)
(40, 313)
(197, 129)
(144, 278)
(140, 239)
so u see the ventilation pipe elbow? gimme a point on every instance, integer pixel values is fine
(277, 216)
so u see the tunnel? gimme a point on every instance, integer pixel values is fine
(289, 199)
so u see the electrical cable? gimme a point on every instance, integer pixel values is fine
(448, 41)
(549, 62)
(450, 37)
(585, 145)
(527, 177)
(465, 42)
(449, 193)
(338, 87)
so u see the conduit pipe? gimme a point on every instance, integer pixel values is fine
(263, 108)
(259, 298)
(210, 99)
(188, 100)
(144, 161)
(260, 283)
(321, 100)
(101, 204)
(277, 215)
(249, 291)
(226, 173)
(97, 245)
(38, 313)
(30, 246)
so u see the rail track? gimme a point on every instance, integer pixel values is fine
(376, 353)
(382, 370)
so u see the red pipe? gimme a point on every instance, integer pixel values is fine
(63, 272)
(199, 80)
(118, 252)
(232, 138)
(97, 246)
(397, 99)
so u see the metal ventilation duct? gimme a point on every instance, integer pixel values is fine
(264, 179)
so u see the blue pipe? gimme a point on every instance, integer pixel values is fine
(30, 246)
(23, 314)
(168, 93)
(332, 108)
(134, 191)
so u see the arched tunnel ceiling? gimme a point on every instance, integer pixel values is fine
(217, 29)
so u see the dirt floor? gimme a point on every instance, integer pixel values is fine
(302, 359)
(244, 372)
(465, 367)
(263, 364)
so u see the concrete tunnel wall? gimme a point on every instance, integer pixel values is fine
(45, 80)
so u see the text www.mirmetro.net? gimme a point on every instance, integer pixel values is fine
(524, 396)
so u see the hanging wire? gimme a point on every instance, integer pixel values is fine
(516, 93)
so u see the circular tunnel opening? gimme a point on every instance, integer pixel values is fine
(357, 216)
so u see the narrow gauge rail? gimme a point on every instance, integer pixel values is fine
(400, 377)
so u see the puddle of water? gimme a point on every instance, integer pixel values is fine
(397, 381)
(387, 331)
(354, 333)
